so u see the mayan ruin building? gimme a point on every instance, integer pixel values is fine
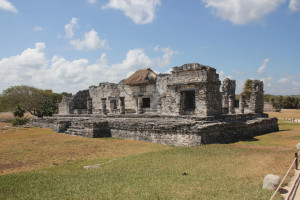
(184, 108)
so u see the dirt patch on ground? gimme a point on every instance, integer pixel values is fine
(31, 148)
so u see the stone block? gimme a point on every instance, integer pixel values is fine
(271, 182)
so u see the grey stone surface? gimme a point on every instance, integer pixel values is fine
(298, 146)
(271, 182)
(257, 97)
(228, 88)
(242, 104)
(179, 131)
(183, 108)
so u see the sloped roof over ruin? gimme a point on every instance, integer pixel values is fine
(141, 77)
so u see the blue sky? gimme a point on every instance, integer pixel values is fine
(69, 45)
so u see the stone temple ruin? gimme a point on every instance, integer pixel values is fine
(184, 108)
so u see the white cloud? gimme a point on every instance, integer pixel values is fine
(267, 81)
(165, 60)
(31, 67)
(242, 12)
(222, 76)
(263, 67)
(90, 41)
(38, 28)
(69, 27)
(283, 80)
(294, 5)
(6, 5)
(92, 1)
(21, 68)
(238, 72)
(140, 11)
(295, 83)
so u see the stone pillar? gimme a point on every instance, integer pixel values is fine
(122, 105)
(231, 104)
(89, 105)
(228, 88)
(140, 105)
(104, 112)
(257, 97)
(242, 104)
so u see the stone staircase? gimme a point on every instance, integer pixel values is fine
(76, 130)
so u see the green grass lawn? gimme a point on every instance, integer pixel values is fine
(143, 170)
(213, 172)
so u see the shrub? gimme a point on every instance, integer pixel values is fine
(20, 121)
(18, 111)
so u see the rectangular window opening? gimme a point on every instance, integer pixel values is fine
(146, 102)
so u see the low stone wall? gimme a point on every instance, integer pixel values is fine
(164, 130)
(195, 134)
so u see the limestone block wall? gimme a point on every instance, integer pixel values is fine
(80, 99)
(66, 106)
(170, 131)
(109, 91)
(205, 83)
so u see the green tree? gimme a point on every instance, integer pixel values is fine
(247, 89)
(18, 111)
(32, 99)
(50, 104)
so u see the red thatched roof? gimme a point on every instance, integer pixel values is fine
(142, 76)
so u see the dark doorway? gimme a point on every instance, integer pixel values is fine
(146, 102)
(113, 104)
(187, 102)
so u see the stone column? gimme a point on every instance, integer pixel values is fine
(231, 104)
(140, 105)
(257, 97)
(242, 104)
(228, 88)
(89, 105)
(104, 112)
(122, 105)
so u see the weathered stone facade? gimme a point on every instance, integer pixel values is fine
(257, 97)
(184, 108)
(228, 88)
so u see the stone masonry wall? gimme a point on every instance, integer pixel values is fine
(66, 106)
(170, 131)
(80, 99)
(205, 83)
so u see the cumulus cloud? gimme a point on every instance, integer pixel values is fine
(140, 11)
(166, 59)
(90, 41)
(241, 12)
(263, 67)
(294, 5)
(92, 1)
(31, 67)
(70, 26)
(38, 28)
(6, 5)
(21, 68)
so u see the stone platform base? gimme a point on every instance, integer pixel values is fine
(170, 130)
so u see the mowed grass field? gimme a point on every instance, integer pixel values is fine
(36, 163)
